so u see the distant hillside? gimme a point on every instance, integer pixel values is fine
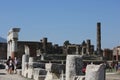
(2, 40)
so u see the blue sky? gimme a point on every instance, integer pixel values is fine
(60, 20)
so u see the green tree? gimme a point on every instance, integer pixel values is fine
(66, 43)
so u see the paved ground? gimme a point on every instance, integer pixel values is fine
(5, 76)
(112, 76)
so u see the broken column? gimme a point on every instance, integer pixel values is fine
(88, 47)
(74, 65)
(30, 67)
(27, 50)
(95, 72)
(77, 50)
(83, 50)
(25, 59)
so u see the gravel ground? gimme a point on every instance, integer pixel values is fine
(5, 76)
(112, 76)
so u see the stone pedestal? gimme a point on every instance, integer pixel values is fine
(95, 72)
(25, 59)
(54, 71)
(39, 74)
(74, 66)
(51, 76)
(30, 69)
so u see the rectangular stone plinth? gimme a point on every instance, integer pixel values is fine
(55, 68)
(39, 74)
(95, 72)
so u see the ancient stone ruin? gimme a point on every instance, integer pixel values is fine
(72, 70)
(43, 61)
(52, 70)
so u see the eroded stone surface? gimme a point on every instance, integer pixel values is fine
(74, 66)
(95, 72)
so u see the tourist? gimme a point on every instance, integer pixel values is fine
(116, 66)
(10, 64)
(7, 64)
(15, 65)
(119, 67)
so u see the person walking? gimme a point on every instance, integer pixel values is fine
(15, 65)
(11, 66)
(7, 64)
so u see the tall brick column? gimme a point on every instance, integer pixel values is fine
(14, 48)
(99, 38)
(88, 47)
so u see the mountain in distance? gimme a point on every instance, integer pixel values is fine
(2, 40)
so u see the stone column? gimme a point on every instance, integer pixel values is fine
(77, 50)
(92, 49)
(25, 59)
(14, 48)
(44, 42)
(99, 38)
(27, 50)
(88, 46)
(74, 66)
(83, 50)
(12, 42)
(117, 55)
(8, 49)
(30, 69)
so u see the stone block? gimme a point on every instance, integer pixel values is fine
(19, 71)
(74, 65)
(52, 76)
(95, 72)
(39, 74)
(79, 78)
(25, 59)
(39, 65)
(30, 73)
(25, 73)
(55, 68)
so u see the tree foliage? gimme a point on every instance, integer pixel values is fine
(66, 43)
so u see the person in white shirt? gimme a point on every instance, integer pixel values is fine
(15, 65)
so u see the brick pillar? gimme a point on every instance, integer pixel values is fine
(99, 38)
(44, 41)
(117, 55)
(8, 49)
(88, 46)
(14, 48)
